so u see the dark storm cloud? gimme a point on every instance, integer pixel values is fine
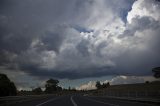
(23, 21)
(77, 39)
(71, 74)
(52, 41)
(82, 47)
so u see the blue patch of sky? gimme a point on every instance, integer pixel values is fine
(82, 29)
(124, 11)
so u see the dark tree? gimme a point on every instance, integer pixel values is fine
(156, 72)
(146, 82)
(7, 88)
(69, 88)
(108, 84)
(59, 88)
(105, 85)
(37, 91)
(52, 86)
(98, 85)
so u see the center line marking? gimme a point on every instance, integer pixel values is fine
(47, 101)
(73, 102)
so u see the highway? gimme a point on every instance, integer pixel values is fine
(79, 100)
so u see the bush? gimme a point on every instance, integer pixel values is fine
(7, 88)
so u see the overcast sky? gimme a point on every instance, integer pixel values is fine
(78, 40)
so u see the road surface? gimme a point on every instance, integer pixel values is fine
(79, 100)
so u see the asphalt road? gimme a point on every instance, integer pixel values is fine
(78, 100)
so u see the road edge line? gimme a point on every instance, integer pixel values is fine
(73, 102)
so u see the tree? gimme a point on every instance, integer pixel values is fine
(7, 88)
(37, 91)
(69, 88)
(59, 88)
(98, 85)
(156, 72)
(108, 84)
(105, 85)
(52, 86)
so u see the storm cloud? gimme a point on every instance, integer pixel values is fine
(78, 39)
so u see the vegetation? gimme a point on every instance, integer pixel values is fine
(156, 72)
(37, 91)
(7, 88)
(100, 86)
(52, 86)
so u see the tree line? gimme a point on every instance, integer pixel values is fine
(101, 86)
(8, 88)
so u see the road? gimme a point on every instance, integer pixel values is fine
(79, 100)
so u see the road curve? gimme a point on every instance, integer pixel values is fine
(78, 100)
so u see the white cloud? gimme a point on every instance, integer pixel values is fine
(129, 79)
(142, 8)
(89, 86)
(116, 81)
(126, 80)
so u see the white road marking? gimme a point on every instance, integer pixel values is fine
(101, 102)
(73, 102)
(47, 101)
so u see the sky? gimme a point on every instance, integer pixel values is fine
(79, 41)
